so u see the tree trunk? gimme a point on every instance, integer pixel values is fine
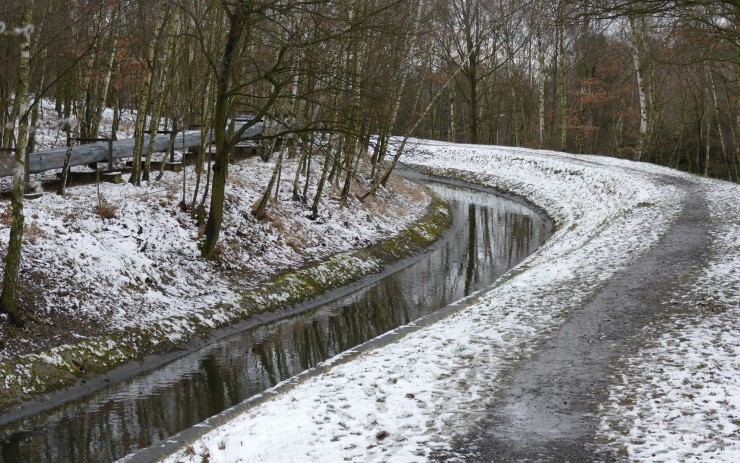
(353, 154)
(648, 85)
(305, 158)
(715, 100)
(35, 113)
(237, 28)
(408, 53)
(511, 74)
(144, 93)
(382, 179)
(259, 210)
(84, 112)
(164, 91)
(472, 76)
(108, 74)
(170, 149)
(541, 84)
(11, 277)
(642, 92)
(322, 180)
(737, 98)
(67, 159)
(204, 130)
(563, 82)
(116, 116)
(73, 129)
(308, 172)
(453, 129)
(708, 145)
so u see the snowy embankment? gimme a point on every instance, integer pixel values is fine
(405, 401)
(112, 272)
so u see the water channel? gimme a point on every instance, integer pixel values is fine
(491, 234)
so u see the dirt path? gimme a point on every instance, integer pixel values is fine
(547, 409)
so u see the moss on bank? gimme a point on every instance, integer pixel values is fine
(65, 366)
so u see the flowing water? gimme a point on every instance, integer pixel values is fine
(491, 234)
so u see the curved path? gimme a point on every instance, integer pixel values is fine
(532, 369)
(547, 409)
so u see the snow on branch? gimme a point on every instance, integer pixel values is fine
(24, 31)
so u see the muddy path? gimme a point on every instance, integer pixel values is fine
(546, 410)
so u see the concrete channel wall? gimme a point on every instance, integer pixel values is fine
(42, 161)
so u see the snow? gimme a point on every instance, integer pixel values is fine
(137, 268)
(49, 131)
(406, 400)
(679, 400)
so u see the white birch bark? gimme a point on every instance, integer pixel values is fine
(563, 82)
(642, 94)
(708, 147)
(167, 71)
(715, 100)
(453, 128)
(541, 84)
(144, 98)
(108, 73)
(408, 53)
(11, 277)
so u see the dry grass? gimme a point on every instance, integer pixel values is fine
(332, 191)
(279, 225)
(106, 211)
(296, 241)
(291, 233)
(383, 205)
(6, 217)
(402, 187)
(125, 126)
(184, 223)
(239, 183)
(32, 233)
(377, 206)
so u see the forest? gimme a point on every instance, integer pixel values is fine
(650, 80)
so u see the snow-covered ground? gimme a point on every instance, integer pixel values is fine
(404, 401)
(49, 132)
(107, 260)
(142, 264)
(679, 399)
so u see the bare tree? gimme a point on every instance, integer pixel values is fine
(11, 276)
(641, 88)
(145, 91)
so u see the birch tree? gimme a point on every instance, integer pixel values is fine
(563, 75)
(108, 72)
(11, 276)
(541, 84)
(144, 93)
(641, 89)
(166, 73)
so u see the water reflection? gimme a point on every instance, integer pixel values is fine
(493, 235)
